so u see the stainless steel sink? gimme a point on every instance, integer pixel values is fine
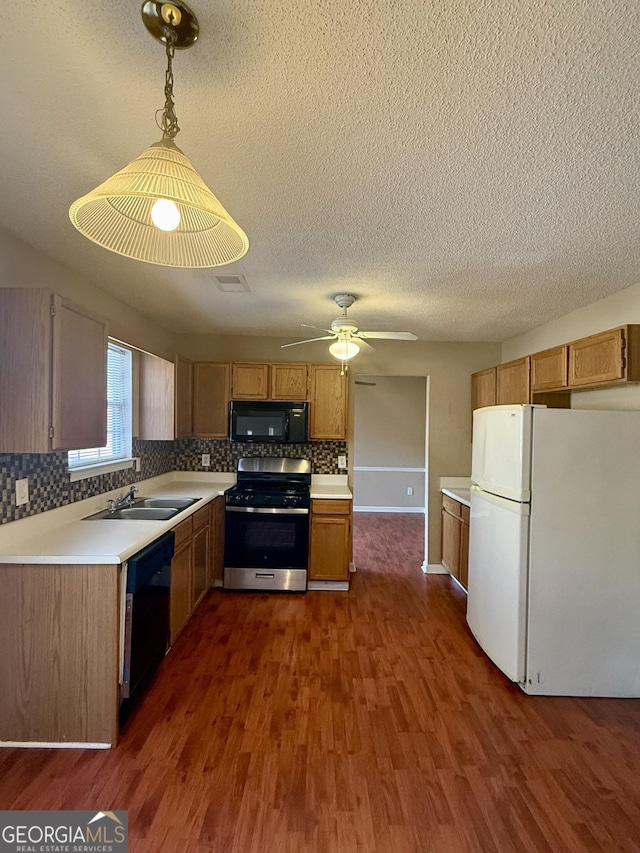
(160, 503)
(145, 509)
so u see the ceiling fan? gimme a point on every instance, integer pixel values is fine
(347, 338)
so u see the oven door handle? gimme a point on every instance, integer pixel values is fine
(272, 510)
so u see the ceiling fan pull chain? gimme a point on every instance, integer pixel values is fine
(169, 124)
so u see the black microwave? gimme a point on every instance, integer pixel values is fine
(278, 422)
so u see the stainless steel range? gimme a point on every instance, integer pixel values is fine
(267, 525)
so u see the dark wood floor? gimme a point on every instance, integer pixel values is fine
(360, 721)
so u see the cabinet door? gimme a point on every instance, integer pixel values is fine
(483, 388)
(79, 378)
(289, 381)
(201, 560)
(184, 398)
(464, 554)
(181, 587)
(25, 370)
(328, 405)
(597, 359)
(451, 543)
(329, 548)
(210, 400)
(250, 382)
(549, 369)
(514, 382)
(217, 548)
(157, 399)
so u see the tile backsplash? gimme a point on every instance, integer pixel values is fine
(50, 486)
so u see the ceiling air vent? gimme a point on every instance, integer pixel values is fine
(231, 283)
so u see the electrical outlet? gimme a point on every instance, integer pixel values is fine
(206, 460)
(342, 461)
(409, 490)
(22, 491)
(136, 464)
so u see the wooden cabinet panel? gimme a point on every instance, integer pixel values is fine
(210, 399)
(329, 547)
(79, 378)
(452, 506)
(157, 403)
(513, 382)
(59, 639)
(181, 586)
(250, 382)
(54, 373)
(183, 398)
(201, 560)
(451, 543)
(609, 357)
(289, 381)
(328, 405)
(329, 506)
(549, 369)
(483, 388)
(217, 549)
(463, 576)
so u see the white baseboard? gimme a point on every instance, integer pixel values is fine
(434, 569)
(389, 509)
(332, 586)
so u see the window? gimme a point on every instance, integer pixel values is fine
(116, 453)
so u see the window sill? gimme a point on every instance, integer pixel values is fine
(76, 474)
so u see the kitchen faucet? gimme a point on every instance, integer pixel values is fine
(123, 500)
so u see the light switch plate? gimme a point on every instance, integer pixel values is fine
(22, 491)
(342, 461)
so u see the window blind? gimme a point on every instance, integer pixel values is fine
(118, 444)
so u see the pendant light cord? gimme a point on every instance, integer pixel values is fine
(169, 122)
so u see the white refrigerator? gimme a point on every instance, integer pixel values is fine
(554, 548)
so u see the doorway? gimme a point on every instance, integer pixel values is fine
(390, 467)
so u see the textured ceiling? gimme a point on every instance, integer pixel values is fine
(468, 170)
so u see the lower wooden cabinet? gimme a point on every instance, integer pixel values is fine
(181, 577)
(455, 539)
(201, 554)
(217, 547)
(330, 540)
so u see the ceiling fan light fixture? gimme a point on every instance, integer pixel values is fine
(343, 350)
(158, 209)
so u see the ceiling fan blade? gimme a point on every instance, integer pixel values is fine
(364, 346)
(309, 341)
(391, 336)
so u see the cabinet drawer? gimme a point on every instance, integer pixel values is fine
(201, 517)
(452, 506)
(330, 507)
(183, 532)
(465, 513)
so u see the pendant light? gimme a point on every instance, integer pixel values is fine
(158, 209)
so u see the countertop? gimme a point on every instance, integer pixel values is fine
(461, 495)
(64, 536)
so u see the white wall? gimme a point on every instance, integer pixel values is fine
(616, 310)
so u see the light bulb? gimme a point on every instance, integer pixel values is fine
(165, 215)
(344, 349)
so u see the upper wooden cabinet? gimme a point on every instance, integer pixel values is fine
(157, 403)
(183, 397)
(289, 381)
(210, 399)
(328, 405)
(250, 382)
(513, 382)
(483, 388)
(607, 358)
(53, 381)
(549, 369)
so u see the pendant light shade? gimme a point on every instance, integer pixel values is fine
(118, 214)
(344, 349)
(158, 209)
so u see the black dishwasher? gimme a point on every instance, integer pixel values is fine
(146, 627)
